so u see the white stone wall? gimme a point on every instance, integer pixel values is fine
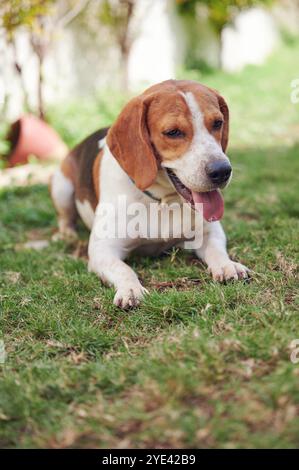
(154, 53)
(286, 15)
(249, 40)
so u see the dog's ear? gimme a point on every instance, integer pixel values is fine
(129, 142)
(225, 131)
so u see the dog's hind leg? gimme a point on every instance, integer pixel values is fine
(63, 196)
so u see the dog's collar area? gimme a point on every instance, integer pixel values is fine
(147, 193)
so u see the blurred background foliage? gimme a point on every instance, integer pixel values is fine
(262, 114)
(113, 28)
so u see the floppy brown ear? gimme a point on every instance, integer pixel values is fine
(129, 142)
(224, 109)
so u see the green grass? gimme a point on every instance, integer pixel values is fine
(198, 364)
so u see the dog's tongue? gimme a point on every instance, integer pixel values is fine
(213, 205)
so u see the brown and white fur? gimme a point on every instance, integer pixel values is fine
(138, 147)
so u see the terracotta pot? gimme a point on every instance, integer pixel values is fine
(32, 136)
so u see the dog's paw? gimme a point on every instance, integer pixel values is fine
(229, 271)
(130, 296)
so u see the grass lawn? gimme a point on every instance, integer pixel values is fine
(198, 364)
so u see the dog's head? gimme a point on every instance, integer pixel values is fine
(181, 126)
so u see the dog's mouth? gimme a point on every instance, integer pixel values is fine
(212, 201)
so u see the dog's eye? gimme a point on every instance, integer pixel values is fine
(174, 133)
(217, 124)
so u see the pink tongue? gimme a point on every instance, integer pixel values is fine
(213, 205)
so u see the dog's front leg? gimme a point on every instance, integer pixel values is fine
(213, 253)
(106, 259)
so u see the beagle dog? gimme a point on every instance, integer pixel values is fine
(167, 145)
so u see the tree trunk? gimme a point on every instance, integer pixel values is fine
(219, 36)
(125, 69)
(219, 30)
(19, 71)
(125, 43)
(40, 95)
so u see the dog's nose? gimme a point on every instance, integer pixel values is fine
(218, 171)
